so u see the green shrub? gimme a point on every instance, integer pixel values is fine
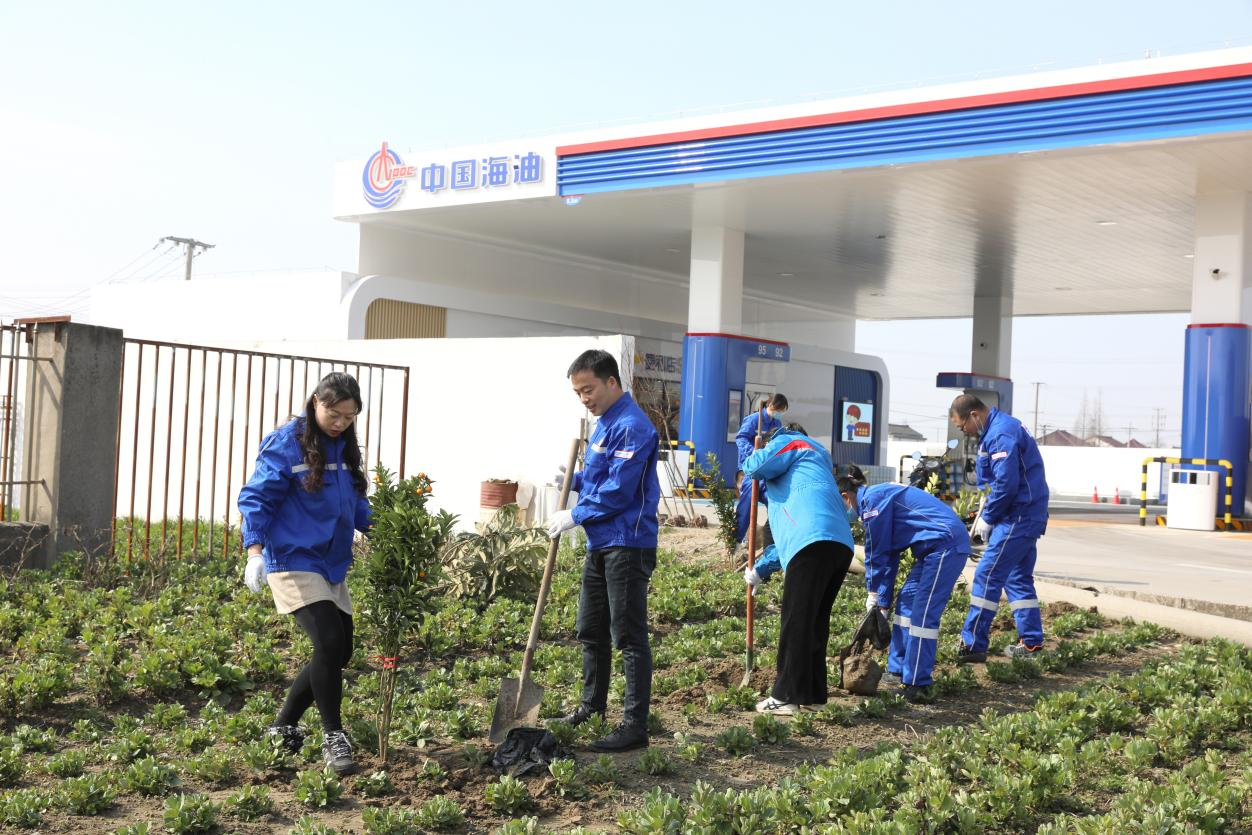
(250, 803)
(88, 795)
(12, 766)
(656, 762)
(390, 821)
(67, 764)
(318, 789)
(736, 741)
(508, 796)
(189, 813)
(769, 730)
(377, 784)
(309, 825)
(149, 777)
(505, 559)
(23, 808)
(439, 813)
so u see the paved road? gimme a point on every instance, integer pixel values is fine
(1211, 571)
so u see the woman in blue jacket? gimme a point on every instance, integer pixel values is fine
(896, 517)
(301, 509)
(813, 545)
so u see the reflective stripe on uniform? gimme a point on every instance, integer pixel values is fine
(902, 621)
(983, 603)
(1024, 604)
(302, 468)
(923, 632)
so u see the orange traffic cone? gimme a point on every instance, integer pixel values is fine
(1117, 495)
(1095, 495)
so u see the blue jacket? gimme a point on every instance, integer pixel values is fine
(1009, 461)
(302, 531)
(805, 506)
(896, 517)
(618, 490)
(745, 440)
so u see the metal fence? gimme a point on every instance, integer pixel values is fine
(16, 351)
(190, 421)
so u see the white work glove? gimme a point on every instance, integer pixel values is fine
(254, 573)
(751, 577)
(559, 478)
(871, 601)
(981, 530)
(560, 522)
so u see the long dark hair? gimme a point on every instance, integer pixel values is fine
(335, 387)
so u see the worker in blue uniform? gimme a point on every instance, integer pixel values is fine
(1013, 516)
(618, 492)
(745, 444)
(813, 545)
(898, 517)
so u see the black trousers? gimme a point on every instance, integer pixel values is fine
(613, 612)
(812, 581)
(321, 680)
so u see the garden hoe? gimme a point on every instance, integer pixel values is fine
(518, 702)
(749, 656)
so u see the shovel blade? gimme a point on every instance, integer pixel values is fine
(510, 713)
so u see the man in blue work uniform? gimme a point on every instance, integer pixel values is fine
(745, 445)
(813, 545)
(618, 492)
(1013, 517)
(896, 517)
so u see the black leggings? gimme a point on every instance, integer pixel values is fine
(810, 585)
(321, 680)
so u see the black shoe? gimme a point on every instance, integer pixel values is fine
(337, 753)
(919, 695)
(966, 655)
(582, 714)
(893, 678)
(624, 738)
(289, 737)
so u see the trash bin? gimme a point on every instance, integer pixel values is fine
(1192, 502)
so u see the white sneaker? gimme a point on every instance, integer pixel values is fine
(777, 708)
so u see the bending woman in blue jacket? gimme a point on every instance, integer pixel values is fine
(896, 517)
(813, 545)
(300, 510)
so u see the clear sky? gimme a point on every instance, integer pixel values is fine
(124, 122)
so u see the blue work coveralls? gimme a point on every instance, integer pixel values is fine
(745, 445)
(1017, 510)
(896, 517)
(299, 530)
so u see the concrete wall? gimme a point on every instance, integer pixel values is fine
(70, 437)
(1073, 471)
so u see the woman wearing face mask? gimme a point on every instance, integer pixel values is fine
(897, 517)
(813, 545)
(774, 407)
(300, 510)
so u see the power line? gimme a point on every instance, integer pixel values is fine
(190, 245)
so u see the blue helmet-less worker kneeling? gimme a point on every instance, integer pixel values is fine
(897, 517)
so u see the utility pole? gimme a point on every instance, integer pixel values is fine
(1157, 421)
(191, 245)
(1130, 433)
(1036, 429)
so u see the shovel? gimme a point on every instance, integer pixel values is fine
(518, 702)
(749, 661)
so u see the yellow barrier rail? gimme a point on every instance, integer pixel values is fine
(1229, 484)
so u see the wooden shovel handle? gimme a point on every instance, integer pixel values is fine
(546, 583)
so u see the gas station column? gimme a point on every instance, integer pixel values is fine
(1217, 369)
(715, 302)
(992, 344)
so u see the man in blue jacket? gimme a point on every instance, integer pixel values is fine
(813, 545)
(745, 445)
(618, 492)
(1013, 517)
(898, 517)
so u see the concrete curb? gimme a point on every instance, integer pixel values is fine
(1183, 621)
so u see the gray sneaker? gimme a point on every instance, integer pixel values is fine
(337, 752)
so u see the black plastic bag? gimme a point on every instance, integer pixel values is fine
(874, 629)
(525, 751)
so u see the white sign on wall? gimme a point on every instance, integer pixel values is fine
(386, 180)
